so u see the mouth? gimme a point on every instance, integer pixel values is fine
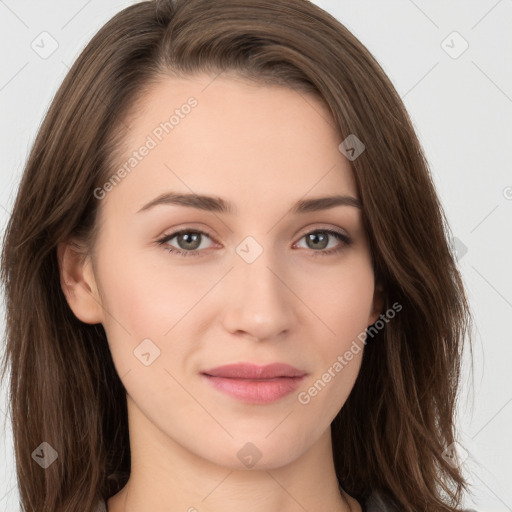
(255, 384)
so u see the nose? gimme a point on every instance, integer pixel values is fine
(260, 303)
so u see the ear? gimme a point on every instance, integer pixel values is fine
(78, 283)
(378, 303)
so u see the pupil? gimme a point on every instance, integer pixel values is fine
(188, 239)
(314, 237)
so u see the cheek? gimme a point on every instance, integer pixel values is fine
(142, 297)
(344, 299)
(148, 313)
(344, 302)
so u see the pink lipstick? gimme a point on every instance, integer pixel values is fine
(255, 384)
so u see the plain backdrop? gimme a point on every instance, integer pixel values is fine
(450, 62)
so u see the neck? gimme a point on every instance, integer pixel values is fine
(166, 477)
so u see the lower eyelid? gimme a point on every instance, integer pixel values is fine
(344, 241)
(163, 241)
(342, 238)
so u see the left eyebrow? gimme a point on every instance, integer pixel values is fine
(219, 205)
(324, 203)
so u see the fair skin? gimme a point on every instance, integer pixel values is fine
(262, 149)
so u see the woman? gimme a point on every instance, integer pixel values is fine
(307, 357)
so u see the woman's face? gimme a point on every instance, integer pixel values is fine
(260, 280)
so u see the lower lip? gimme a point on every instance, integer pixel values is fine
(256, 391)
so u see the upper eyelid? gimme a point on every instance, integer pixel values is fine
(173, 234)
(170, 236)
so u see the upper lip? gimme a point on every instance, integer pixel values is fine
(253, 371)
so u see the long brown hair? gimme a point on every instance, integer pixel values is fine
(391, 434)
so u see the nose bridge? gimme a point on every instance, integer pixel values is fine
(259, 303)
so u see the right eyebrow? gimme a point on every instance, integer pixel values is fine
(202, 202)
(219, 205)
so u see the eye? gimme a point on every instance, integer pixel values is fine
(318, 240)
(190, 242)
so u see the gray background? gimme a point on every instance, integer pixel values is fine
(461, 106)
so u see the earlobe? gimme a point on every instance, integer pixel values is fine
(78, 283)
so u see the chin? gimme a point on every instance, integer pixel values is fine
(254, 452)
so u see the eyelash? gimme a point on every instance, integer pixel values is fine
(346, 241)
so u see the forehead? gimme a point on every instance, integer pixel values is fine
(225, 135)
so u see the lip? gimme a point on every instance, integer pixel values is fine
(255, 384)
